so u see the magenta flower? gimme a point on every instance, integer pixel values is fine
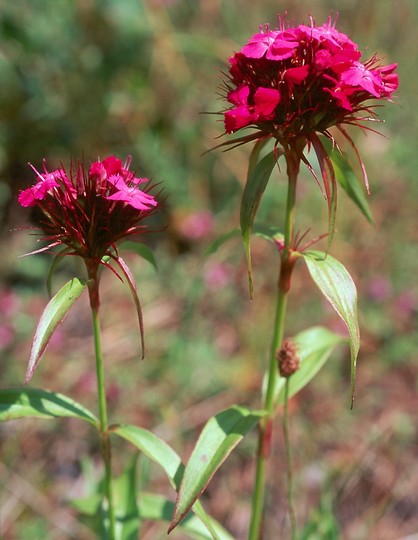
(291, 83)
(89, 213)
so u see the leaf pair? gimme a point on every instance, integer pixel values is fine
(31, 402)
(161, 453)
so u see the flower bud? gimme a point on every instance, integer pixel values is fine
(288, 358)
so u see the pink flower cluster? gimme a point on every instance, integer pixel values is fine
(89, 212)
(113, 181)
(293, 81)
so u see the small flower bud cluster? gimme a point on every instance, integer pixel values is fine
(288, 359)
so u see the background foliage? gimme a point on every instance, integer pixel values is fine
(102, 77)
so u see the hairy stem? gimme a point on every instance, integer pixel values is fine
(266, 424)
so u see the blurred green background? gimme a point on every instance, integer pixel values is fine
(97, 77)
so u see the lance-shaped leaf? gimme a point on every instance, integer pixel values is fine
(33, 402)
(336, 284)
(267, 232)
(55, 262)
(219, 437)
(330, 186)
(314, 347)
(258, 177)
(347, 179)
(160, 452)
(134, 291)
(54, 313)
(153, 447)
(158, 508)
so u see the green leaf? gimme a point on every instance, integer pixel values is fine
(89, 506)
(33, 402)
(134, 292)
(160, 452)
(219, 437)
(124, 502)
(329, 181)
(336, 284)
(140, 249)
(55, 262)
(157, 508)
(267, 232)
(126, 506)
(153, 447)
(55, 311)
(258, 177)
(314, 347)
(322, 524)
(348, 180)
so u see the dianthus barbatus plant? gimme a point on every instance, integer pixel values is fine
(291, 85)
(295, 86)
(87, 212)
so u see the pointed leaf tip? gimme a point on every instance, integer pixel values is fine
(336, 284)
(134, 292)
(54, 313)
(219, 437)
(18, 403)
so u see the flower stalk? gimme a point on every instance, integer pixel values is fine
(284, 281)
(105, 445)
(286, 436)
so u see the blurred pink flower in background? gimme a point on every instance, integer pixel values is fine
(197, 225)
(218, 275)
(379, 289)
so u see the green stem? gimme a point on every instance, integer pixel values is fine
(266, 424)
(104, 434)
(292, 514)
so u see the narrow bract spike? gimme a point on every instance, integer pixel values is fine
(354, 147)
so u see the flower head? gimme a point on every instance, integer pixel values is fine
(88, 212)
(292, 82)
